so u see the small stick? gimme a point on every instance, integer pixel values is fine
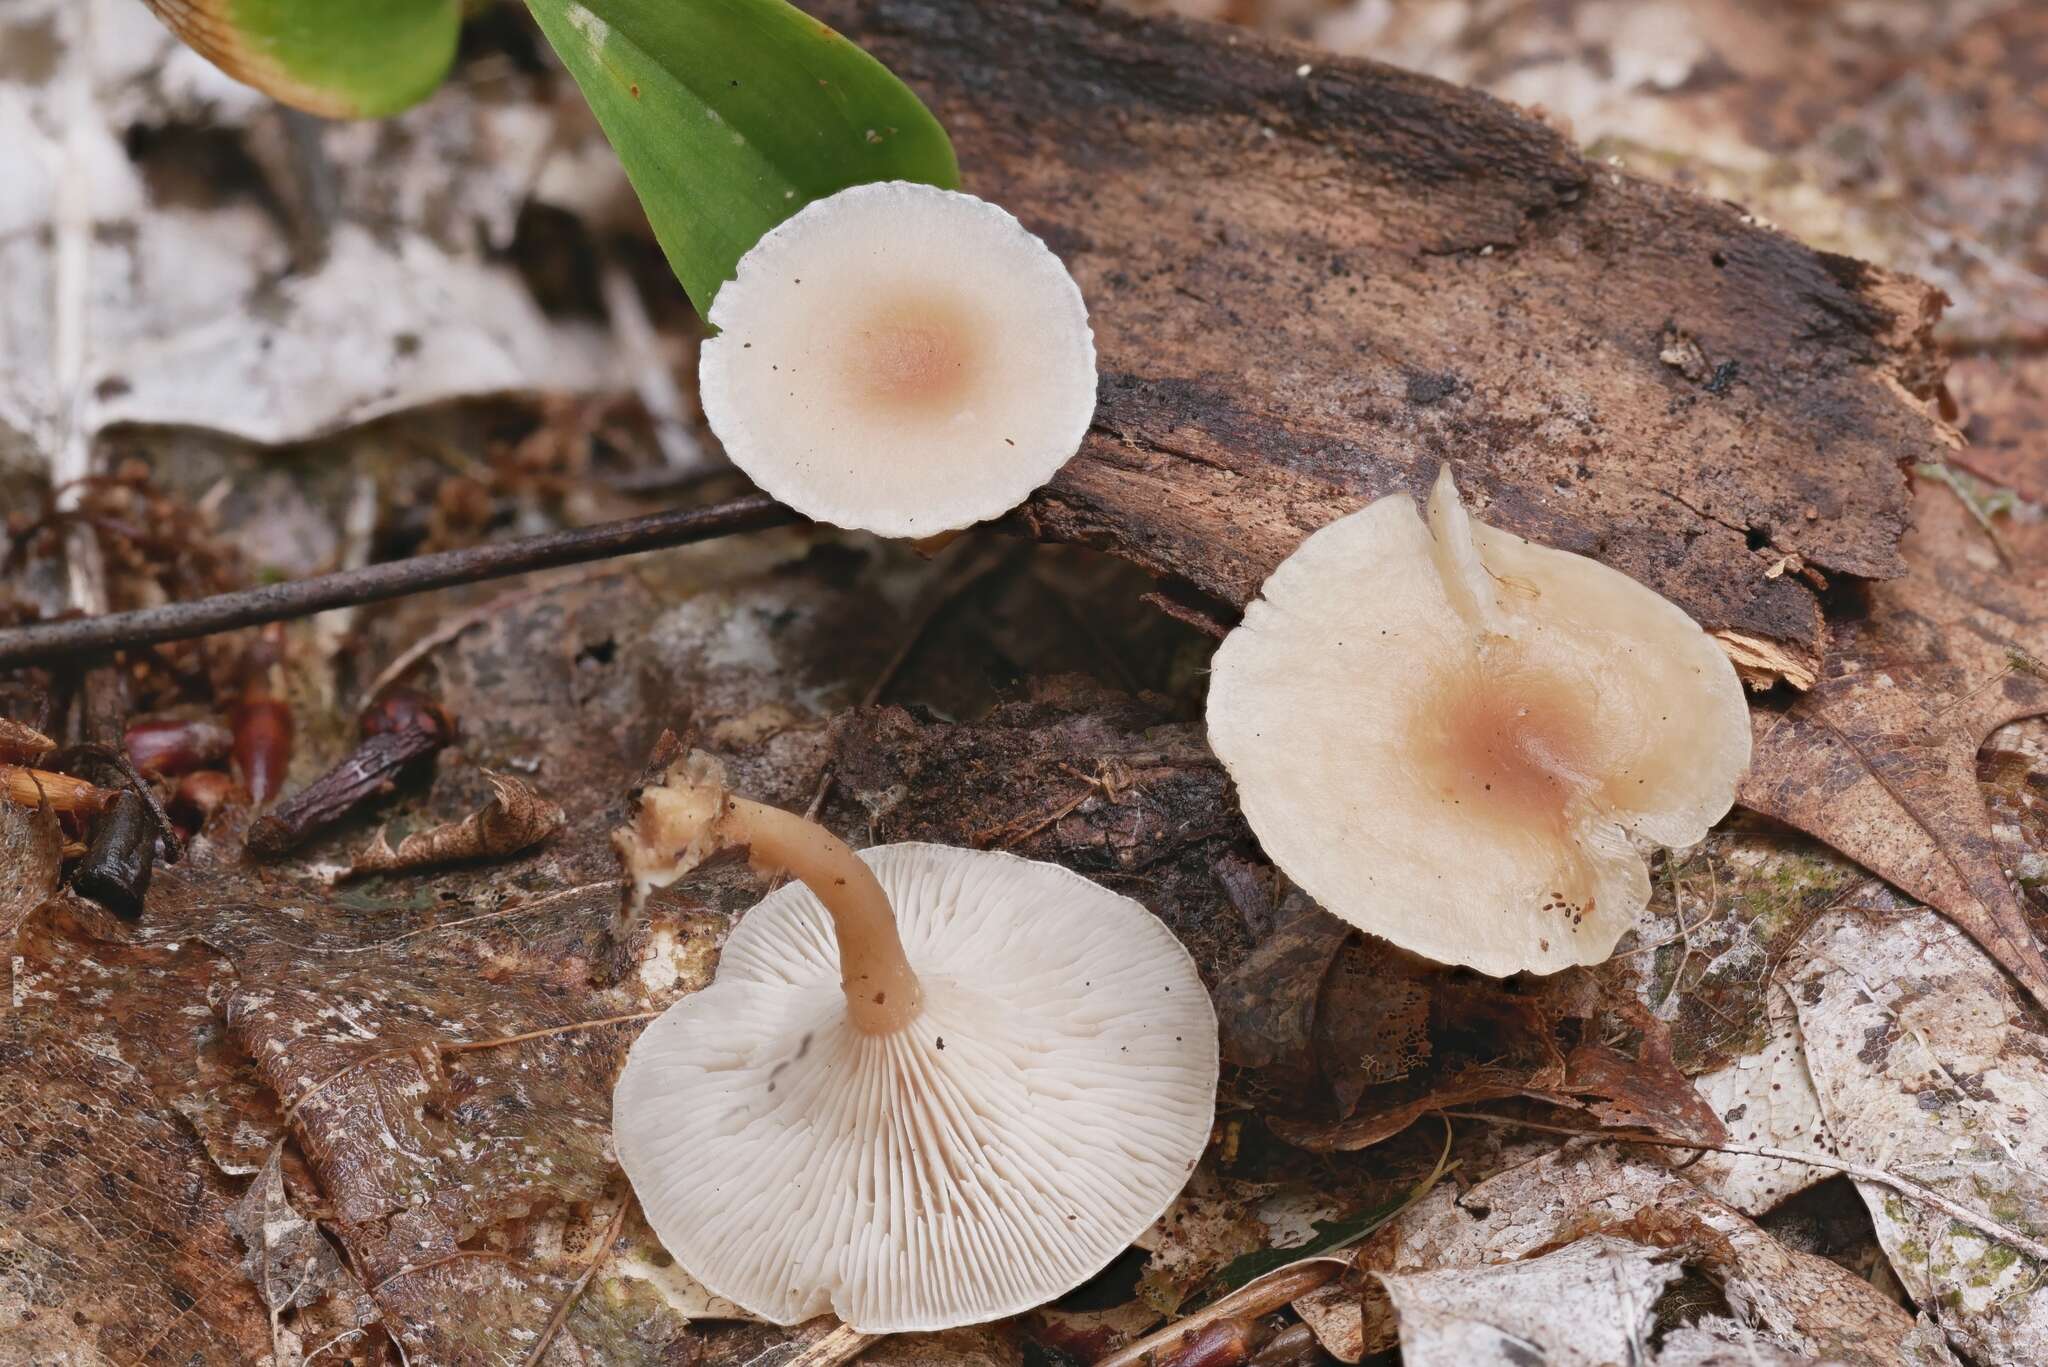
(1976, 1220)
(393, 579)
(403, 728)
(122, 854)
(840, 1345)
(1281, 1287)
(22, 744)
(34, 787)
(547, 1335)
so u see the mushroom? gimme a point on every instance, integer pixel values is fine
(900, 359)
(1453, 738)
(927, 1087)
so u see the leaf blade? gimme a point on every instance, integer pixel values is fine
(731, 115)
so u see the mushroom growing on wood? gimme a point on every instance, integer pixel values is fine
(1448, 735)
(900, 359)
(928, 1086)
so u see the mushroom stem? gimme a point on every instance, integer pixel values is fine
(691, 815)
(882, 993)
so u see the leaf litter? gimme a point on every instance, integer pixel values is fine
(434, 1046)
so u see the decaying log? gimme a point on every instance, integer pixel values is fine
(1312, 280)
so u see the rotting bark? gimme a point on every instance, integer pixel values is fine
(1313, 280)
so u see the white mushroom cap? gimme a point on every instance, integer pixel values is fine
(1447, 735)
(1043, 1110)
(900, 359)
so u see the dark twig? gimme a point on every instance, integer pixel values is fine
(394, 579)
(403, 727)
(561, 1315)
(117, 866)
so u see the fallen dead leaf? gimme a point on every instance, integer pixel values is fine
(192, 303)
(1348, 1041)
(1797, 1300)
(1765, 1099)
(1589, 1304)
(1879, 759)
(115, 1247)
(152, 1007)
(515, 819)
(293, 1267)
(22, 744)
(1928, 1063)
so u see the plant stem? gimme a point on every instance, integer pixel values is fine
(393, 579)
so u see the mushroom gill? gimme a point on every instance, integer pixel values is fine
(927, 1087)
(1454, 738)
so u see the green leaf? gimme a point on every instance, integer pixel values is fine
(730, 115)
(360, 59)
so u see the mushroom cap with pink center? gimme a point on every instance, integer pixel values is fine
(1453, 738)
(900, 359)
(1044, 1109)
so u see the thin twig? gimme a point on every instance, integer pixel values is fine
(1977, 1220)
(457, 1256)
(611, 1234)
(1283, 1286)
(393, 579)
(466, 1046)
(839, 1345)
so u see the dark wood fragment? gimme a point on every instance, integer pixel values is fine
(1314, 280)
(402, 728)
(117, 865)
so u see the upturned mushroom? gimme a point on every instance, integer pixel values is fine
(927, 1087)
(900, 359)
(1455, 738)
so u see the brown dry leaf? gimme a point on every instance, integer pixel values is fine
(1879, 759)
(292, 1266)
(115, 1247)
(1929, 1064)
(22, 744)
(1348, 1041)
(1797, 1300)
(1766, 1099)
(1589, 1304)
(153, 1007)
(1404, 272)
(31, 862)
(515, 819)
(2003, 395)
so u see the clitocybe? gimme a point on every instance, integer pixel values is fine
(900, 359)
(1454, 738)
(927, 1087)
